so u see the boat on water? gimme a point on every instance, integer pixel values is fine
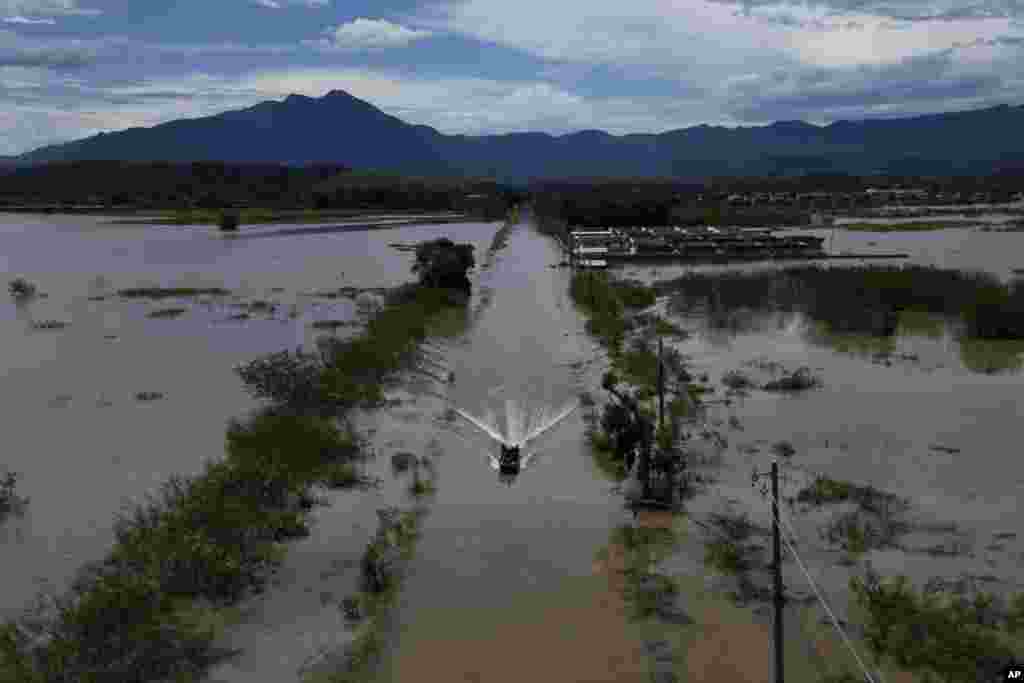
(509, 461)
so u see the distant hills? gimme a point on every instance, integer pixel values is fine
(341, 129)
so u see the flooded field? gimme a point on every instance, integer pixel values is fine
(74, 428)
(513, 578)
(923, 410)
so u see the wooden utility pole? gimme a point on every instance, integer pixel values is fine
(779, 597)
(670, 473)
(661, 387)
(777, 562)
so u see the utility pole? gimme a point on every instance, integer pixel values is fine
(780, 600)
(661, 387)
(779, 597)
(670, 474)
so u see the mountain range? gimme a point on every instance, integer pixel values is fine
(342, 129)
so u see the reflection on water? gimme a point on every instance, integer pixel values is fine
(865, 311)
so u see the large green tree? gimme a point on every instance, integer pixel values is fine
(442, 263)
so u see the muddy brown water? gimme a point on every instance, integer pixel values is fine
(936, 421)
(72, 427)
(504, 584)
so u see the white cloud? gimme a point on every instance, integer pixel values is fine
(878, 41)
(23, 52)
(18, 19)
(31, 9)
(280, 4)
(368, 34)
(713, 39)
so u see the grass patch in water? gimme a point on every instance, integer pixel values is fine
(604, 455)
(331, 324)
(170, 292)
(49, 325)
(643, 547)
(210, 538)
(348, 372)
(382, 576)
(21, 289)
(171, 312)
(826, 490)
(725, 556)
(867, 300)
(936, 636)
(10, 501)
(990, 356)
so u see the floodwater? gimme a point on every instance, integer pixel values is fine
(504, 570)
(504, 584)
(73, 429)
(499, 561)
(922, 414)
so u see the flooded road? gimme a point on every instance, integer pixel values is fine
(507, 569)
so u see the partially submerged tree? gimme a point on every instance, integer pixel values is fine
(442, 263)
(628, 427)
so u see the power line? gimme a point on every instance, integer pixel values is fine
(817, 593)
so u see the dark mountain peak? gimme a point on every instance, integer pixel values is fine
(341, 128)
(793, 125)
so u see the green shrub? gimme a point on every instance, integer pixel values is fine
(938, 640)
(9, 499)
(634, 294)
(170, 292)
(20, 288)
(725, 555)
(171, 312)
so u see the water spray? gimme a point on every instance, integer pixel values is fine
(521, 426)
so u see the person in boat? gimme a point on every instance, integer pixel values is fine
(509, 456)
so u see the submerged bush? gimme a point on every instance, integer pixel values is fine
(49, 325)
(825, 490)
(170, 292)
(939, 640)
(799, 380)
(634, 294)
(9, 499)
(20, 288)
(229, 221)
(737, 381)
(859, 299)
(212, 537)
(725, 555)
(170, 312)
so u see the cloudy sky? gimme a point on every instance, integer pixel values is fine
(70, 68)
